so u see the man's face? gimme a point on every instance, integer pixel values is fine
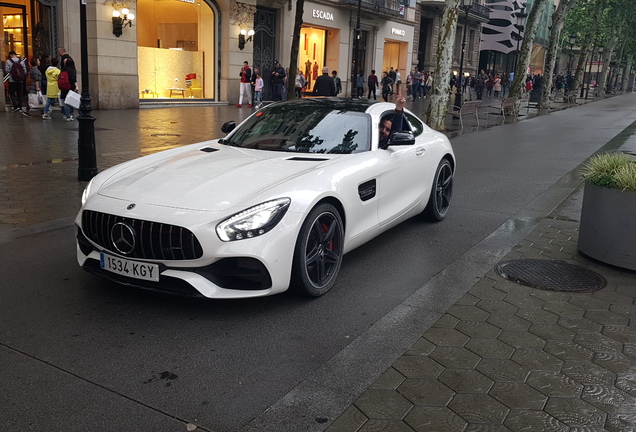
(385, 129)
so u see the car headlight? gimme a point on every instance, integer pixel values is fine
(254, 221)
(86, 192)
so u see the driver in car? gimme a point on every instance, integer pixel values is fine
(392, 122)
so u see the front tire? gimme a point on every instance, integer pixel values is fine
(318, 252)
(441, 192)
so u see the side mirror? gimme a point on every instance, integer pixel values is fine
(402, 138)
(228, 126)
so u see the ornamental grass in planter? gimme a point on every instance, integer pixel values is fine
(608, 217)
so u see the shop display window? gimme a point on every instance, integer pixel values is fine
(175, 49)
(311, 56)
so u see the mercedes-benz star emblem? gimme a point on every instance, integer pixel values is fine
(130, 206)
(123, 237)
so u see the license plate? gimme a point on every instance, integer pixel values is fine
(133, 269)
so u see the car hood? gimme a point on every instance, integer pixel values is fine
(207, 178)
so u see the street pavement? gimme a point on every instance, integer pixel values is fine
(501, 357)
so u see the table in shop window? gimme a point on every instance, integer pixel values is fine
(177, 90)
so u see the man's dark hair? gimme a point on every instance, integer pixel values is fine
(372, 71)
(12, 53)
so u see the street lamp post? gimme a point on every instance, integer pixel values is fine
(521, 18)
(87, 157)
(466, 5)
(356, 47)
(568, 79)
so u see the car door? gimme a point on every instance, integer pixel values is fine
(403, 176)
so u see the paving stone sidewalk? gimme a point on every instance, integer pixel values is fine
(507, 357)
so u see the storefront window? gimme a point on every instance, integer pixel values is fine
(311, 54)
(15, 29)
(176, 49)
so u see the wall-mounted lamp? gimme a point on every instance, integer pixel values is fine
(121, 18)
(242, 39)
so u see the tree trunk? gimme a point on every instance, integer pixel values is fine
(295, 47)
(525, 53)
(558, 20)
(573, 89)
(607, 58)
(439, 94)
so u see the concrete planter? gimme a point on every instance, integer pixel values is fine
(607, 231)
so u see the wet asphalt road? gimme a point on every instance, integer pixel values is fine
(81, 353)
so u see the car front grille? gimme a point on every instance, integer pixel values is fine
(153, 240)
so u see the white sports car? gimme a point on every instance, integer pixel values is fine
(273, 205)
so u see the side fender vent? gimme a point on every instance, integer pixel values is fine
(209, 149)
(367, 190)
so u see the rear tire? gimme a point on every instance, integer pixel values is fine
(441, 192)
(318, 252)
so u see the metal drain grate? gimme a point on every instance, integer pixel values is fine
(550, 275)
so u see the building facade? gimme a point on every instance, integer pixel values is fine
(194, 49)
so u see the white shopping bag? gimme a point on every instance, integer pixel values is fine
(72, 99)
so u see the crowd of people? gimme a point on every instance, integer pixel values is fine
(35, 84)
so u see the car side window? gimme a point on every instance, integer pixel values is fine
(416, 125)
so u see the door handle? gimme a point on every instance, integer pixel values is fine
(420, 151)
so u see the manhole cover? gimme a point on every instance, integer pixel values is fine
(550, 275)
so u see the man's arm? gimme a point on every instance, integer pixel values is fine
(398, 117)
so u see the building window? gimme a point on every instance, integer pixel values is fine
(471, 47)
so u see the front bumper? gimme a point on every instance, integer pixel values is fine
(255, 267)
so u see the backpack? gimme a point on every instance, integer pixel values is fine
(17, 71)
(63, 81)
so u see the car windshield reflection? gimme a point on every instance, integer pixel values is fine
(305, 129)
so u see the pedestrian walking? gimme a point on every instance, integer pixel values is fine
(17, 75)
(34, 86)
(68, 66)
(398, 81)
(393, 77)
(245, 89)
(299, 83)
(480, 84)
(278, 74)
(336, 82)
(372, 83)
(496, 86)
(325, 85)
(415, 83)
(360, 85)
(386, 83)
(52, 89)
(258, 90)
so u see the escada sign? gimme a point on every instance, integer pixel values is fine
(327, 16)
(398, 32)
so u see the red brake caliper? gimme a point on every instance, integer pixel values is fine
(325, 228)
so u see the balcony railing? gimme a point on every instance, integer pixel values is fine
(388, 7)
(480, 11)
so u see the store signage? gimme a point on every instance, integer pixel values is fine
(327, 16)
(398, 32)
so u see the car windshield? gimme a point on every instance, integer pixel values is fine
(305, 128)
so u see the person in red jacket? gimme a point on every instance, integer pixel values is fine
(246, 85)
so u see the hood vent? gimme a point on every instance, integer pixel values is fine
(209, 149)
(307, 159)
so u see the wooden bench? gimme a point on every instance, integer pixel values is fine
(469, 107)
(507, 104)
